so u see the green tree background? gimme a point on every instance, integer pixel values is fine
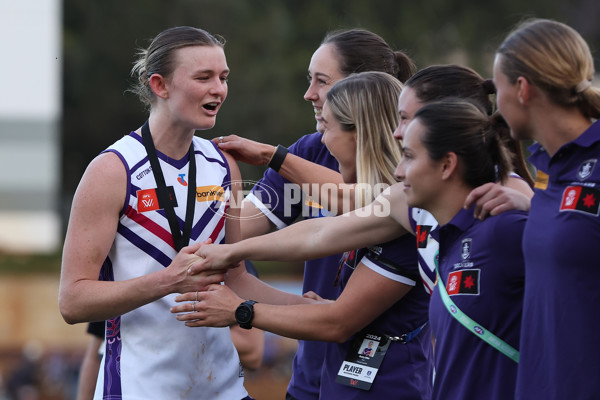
(269, 45)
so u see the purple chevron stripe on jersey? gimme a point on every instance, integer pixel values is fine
(422, 273)
(209, 214)
(210, 159)
(151, 226)
(217, 231)
(143, 245)
(112, 349)
(112, 360)
(139, 165)
(106, 271)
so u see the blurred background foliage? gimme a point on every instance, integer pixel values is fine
(269, 45)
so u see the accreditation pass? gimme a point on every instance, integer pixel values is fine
(363, 360)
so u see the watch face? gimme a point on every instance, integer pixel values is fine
(243, 314)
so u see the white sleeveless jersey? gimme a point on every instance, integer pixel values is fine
(427, 246)
(149, 354)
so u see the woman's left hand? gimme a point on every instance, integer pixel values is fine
(214, 307)
(493, 198)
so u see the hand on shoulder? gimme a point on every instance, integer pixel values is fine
(245, 150)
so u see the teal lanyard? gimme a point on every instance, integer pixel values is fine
(473, 326)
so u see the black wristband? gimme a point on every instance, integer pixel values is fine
(278, 157)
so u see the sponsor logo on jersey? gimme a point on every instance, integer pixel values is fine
(541, 180)
(143, 173)
(586, 169)
(581, 199)
(210, 193)
(465, 281)
(422, 234)
(181, 179)
(313, 204)
(148, 199)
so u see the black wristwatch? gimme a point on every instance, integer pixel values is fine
(245, 313)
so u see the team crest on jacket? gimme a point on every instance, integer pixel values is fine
(586, 169)
(465, 281)
(581, 199)
(465, 251)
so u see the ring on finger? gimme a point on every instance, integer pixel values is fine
(220, 139)
(196, 296)
(194, 307)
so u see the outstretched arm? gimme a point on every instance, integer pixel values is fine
(238, 277)
(320, 183)
(366, 296)
(319, 237)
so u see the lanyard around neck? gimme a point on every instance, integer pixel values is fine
(164, 198)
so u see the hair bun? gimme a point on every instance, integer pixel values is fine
(489, 86)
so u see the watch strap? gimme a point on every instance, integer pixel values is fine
(248, 304)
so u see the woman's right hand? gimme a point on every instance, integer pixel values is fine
(245, 150)
(191, 272)
(213, 258)
(213, 307)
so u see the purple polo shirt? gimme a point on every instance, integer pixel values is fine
(560, 350)
(282, 202)
(406, 370)
(481, 264)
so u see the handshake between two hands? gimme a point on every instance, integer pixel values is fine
(204, 300)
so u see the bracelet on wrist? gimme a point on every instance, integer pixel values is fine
(278, 157)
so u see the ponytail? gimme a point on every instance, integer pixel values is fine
(497, 135)
(514, 148)
(459, 126)
(406, 66)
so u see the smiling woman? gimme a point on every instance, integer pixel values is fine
(379, 317)
(544, 71)
(135, 219)
(450, 147)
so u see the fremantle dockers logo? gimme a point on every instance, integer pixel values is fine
(466, 248)
(586, 169)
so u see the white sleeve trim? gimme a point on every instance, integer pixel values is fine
(381, 271)
(263, 209)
